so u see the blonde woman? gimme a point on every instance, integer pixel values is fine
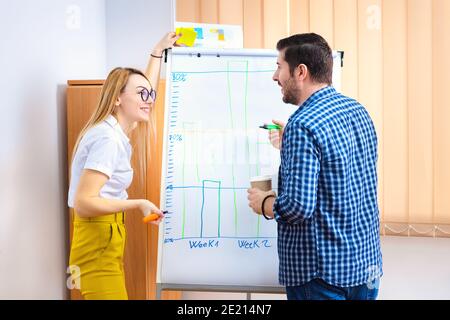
(101, 172)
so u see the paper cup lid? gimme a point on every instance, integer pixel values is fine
(260, 178)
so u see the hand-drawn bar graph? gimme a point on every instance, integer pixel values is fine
(214, 147)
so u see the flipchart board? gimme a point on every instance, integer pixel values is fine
(215, 102)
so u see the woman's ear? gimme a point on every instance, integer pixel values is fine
(118, 102)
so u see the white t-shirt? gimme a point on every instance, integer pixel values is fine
(105, 148)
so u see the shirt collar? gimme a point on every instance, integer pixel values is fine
(318, 95)
(112, 121)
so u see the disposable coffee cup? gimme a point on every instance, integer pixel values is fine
(263, 183)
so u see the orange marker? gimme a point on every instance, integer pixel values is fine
(151, 217)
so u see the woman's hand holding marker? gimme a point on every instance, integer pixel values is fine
(153, 217)
(152, 214)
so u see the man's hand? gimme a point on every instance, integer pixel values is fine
(276, 136)
(256, 197)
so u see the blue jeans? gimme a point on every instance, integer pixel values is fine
(318, 289)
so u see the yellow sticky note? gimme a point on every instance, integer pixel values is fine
(188, 36)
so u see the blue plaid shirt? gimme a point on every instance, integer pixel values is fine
(326, 209)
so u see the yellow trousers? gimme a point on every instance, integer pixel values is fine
(97, 251)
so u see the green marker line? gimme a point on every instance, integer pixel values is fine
(232, 160)
(246, 120)
(218, 228)
(258, 225)
(184, 191)
(198, 174)
(197, 152)
(193, 130)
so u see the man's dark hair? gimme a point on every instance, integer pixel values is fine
(311, 50)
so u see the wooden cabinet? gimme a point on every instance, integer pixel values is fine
(142, 240)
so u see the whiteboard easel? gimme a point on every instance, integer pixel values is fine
(171, 123)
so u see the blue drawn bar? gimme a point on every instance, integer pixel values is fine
(203, 206)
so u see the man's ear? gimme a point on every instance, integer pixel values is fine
(302, 71)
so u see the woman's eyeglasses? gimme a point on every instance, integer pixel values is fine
(145, 94)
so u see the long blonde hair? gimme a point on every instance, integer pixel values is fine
(114, 85)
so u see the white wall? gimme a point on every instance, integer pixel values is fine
(414, 268)
(43, 43)
(133, 29)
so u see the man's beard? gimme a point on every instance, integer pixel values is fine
(290, 93)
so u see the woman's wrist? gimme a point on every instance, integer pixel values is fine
(157, 52)
(138, 203)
